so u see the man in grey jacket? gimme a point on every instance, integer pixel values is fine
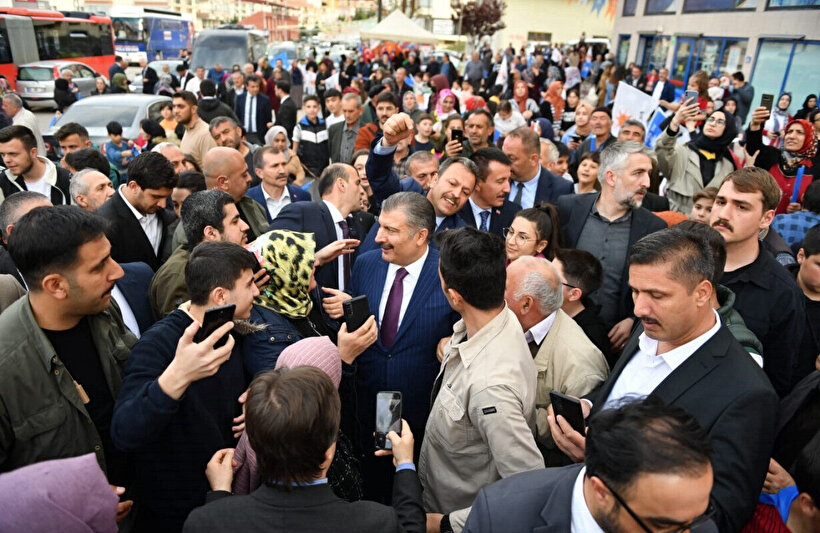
(743, 93)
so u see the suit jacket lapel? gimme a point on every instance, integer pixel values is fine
(428, 280)
(557, 512)
(330, 227)
(580, 212)
(373, 289)
(697, 365)
(542, 193)
(630, 349)
(466, 214)
(133, 228)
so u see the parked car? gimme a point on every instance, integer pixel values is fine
(96, 111)
(136, 84)
(35, 81)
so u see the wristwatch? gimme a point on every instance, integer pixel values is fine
(445, 524)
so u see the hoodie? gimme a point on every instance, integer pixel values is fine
(59, 179)
(209, 107)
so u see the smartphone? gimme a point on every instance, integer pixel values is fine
(457, 135)
(691, 95)
(388, 417)
(766, 100)
(577, 138)
(570, 409)
(356, 312)
(215, 317)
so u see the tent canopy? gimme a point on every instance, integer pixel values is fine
(397, 27)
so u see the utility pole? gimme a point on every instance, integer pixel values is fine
(379, 11)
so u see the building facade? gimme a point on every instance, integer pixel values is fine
(775, 43)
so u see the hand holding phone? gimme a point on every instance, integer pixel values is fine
(767, 100)
(690, 95)
(356, 312)
(215, 317)
(388, 418)
(570, 408)
(457, 135)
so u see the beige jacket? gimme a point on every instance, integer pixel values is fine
(681, 166)
(482, 424)
(197, 141)
(568, 363)
(10, 291)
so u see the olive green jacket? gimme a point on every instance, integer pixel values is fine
(41, 414)
(168, 288)
(733, 320)
(255, 213)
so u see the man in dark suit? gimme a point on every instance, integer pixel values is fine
(636, 78)
(131, 294)
(448, 191)
(238, 80)
(342, 135)
(663, 91)
(663, 444)
(532, 183)
(140, 228)
(310, 406)
(413, 316)
(274, 192)
(683, 355)
(286, 117)
(340, 188)
(254, 111)
(488, 208)
(608, 224)
(149, 77)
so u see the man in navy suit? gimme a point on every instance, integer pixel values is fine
(488, 208)
(254, 111)
(644, 459)
(274, 192)
(448, 192)
(532, 183)
(330, 221)
(131, 294)
(403, 290)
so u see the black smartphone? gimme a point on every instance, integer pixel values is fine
(457, 135)
(388, 417)
(356, 311)
(690, 95)
(767, 100)
(214, 318)
(577, 138)
(570, 409)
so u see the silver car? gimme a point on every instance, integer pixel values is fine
(136, 84)
(35, 81)
(96, 111)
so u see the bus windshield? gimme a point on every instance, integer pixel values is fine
(128, 29)
(224, 49)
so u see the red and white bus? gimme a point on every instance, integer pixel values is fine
(28, 35)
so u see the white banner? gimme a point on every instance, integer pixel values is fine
(630, 103)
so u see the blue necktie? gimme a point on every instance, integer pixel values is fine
(485, 218)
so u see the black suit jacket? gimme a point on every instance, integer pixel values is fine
(134, 286)
(334, 140)
(312, 508)
(286, 117)
(733, 400)
(539, 501)
(573, 211)
(550, 187)
(315, 217)
(655, 202)
(500, 217)
(129, 244)
(264, 112)
(151, 75)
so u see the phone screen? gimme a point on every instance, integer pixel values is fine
(388, 417)
(215, 318)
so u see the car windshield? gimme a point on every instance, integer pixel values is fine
(97, 116)
(36, 74)
(227, 50)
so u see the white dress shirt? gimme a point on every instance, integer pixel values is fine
(646, 370)
(41, 185)
(408, 285)
(580, 515)
(127, 314)
(149, 223)
(274, 205)
(477, 214)
(539, 331)
(250, 113)
(337, 217)
(528, 194)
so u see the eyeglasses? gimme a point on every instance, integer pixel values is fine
(521, 239)
(699, 521)
(567, 285)
(718, 121)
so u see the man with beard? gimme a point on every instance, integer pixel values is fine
(197, 139)
(488, 208)
(386, 106)
(140, 228)
(608, 223)
(274, 192)
(206, 216)
(226, 132)
(766, 295)
(27, 170)
(63, 348)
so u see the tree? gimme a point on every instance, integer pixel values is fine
(478, 18)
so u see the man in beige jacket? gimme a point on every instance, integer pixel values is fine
(482, 423)
(566, 359)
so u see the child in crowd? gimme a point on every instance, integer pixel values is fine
(333, 104)
(424, 129)
(310, 138)
(588, 173)
(118, 151)
(702, 202)
(507, 119)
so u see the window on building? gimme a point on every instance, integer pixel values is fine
(697, 6)
(630, 7)
(787, 66)
(623, 49)
(661, 7)
(792, 4)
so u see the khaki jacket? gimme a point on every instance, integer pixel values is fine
(10, 291)
(168, 288)
(568, 363)
(257, 220)
(41, 414)
(482, 424)
(681, 166)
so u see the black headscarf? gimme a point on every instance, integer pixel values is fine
(720, 147)
(63, 96)
(805, 110)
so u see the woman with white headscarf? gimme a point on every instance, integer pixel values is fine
(277, 137)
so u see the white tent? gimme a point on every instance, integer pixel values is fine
(397, 27)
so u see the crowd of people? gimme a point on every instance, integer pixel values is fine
(505, 245)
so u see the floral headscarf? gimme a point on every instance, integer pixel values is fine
(287, 256)
(805, 155)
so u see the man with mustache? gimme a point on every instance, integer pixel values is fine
(767, 296)
(488, 208)
(608, 223)
(63, 347)
(274, 192)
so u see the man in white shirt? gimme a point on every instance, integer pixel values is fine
(274, 192)
(683, 355)
(20, 116)
(27, 170)
(648, 468)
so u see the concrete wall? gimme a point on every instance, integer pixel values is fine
(565, 19)
(752, 25)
